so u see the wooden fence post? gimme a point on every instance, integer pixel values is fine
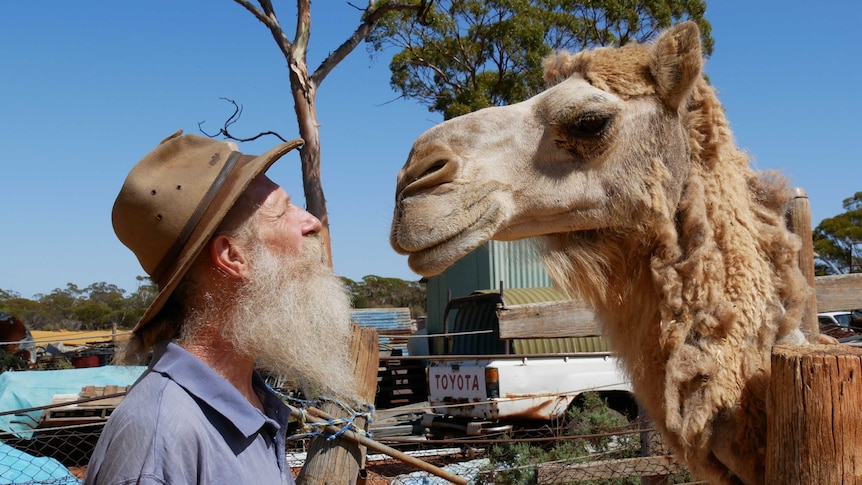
(338, 461)
(799, 222)
(814, 431)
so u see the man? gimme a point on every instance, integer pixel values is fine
(243, 282)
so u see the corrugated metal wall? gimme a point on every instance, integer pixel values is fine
(478, 312)
(394, 325)
(514, 263)
(385, 320)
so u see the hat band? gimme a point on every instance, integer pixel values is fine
(194, 220)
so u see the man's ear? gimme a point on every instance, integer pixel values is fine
(227, 256)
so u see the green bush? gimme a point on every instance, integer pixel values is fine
(515, 463)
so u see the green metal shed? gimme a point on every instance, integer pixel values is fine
(513, 264)
(516, 268)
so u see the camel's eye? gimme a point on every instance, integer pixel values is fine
(588, 126)
(586, 135)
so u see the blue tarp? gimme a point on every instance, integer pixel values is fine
(28, 389)
(20, 468)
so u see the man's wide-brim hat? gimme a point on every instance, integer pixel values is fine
(174, 199)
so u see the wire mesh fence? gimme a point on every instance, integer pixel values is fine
(56, 455)
(541, 454)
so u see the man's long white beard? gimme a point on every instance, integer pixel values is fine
(294, 318)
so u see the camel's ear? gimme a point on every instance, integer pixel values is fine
(676, 63)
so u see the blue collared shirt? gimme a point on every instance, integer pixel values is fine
(183, 423)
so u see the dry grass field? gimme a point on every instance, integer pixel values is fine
(73, 339)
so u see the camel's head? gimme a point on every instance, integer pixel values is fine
(589, 153)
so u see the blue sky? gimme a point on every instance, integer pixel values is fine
(88, 88)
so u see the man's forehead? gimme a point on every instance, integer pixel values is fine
(260, 194)
(262, 188)
(271, 197)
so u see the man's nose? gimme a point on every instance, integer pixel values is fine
(310, 224)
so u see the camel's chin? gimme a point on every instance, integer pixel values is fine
(437, 258)
(425, 265)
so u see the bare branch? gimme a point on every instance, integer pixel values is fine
(303, 31)
(370, 18)
(268, 18)
(257, 13)
(223, 131)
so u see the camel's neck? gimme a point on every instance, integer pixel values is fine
(613, 274)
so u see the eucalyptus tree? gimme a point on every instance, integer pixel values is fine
(838, 240)
(464, 55)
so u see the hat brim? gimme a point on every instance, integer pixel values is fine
(234, 185)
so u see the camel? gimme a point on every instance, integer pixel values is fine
(626, 174)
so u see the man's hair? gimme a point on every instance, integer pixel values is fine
(175, 321)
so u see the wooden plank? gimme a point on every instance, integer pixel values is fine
(566, 318)
(572, 318)
(814, 433)
(554, 473)
(96, 391)
(839, 292)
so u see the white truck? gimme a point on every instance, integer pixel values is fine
(503, 364)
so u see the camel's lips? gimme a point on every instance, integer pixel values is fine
(436, 256)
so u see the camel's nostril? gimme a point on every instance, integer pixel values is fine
(435, 167)
(424, 176)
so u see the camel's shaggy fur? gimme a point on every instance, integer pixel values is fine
(627, 173)
(723, 271)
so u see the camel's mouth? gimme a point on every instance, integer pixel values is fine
(436, 230)
(585, 216)
(433, 250)
(436, 259)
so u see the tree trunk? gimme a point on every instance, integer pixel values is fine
(303, 86)
(304, 92)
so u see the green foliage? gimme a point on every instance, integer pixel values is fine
(593, 418)
(381, 292)
(97, 306)
(515, 463)
(11, 362)
(464, 55)
(838, 240)
(26, 310)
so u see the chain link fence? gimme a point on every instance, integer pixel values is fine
(551, 453)
(47, 455)
(630, 454)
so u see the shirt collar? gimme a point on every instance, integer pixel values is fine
(199, 380)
